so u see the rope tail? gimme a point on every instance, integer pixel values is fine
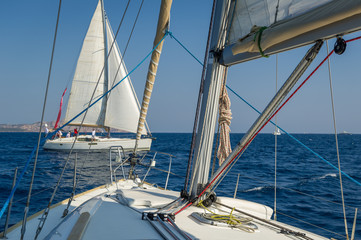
(225, 116)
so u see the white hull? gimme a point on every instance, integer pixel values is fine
(87, 143)
(115, 212)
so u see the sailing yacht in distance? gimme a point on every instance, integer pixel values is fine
(100, 70)
(277, 132)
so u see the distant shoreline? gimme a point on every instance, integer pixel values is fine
(34, 127)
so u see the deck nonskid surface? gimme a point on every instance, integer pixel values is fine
(116, 212)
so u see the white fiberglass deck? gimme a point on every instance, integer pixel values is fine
(115, 212)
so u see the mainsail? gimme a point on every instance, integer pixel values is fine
(274, 26)
(120, 108)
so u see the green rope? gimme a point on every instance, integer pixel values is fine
(259, 34)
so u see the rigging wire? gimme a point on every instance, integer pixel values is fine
(277, 9)
(204, 134)
(298, 141)
(103, 71)
(240, 152)
(23, 228)
(275, 134)
(266, 122)
(104, 66)
(122, 57)
(336, 140)
(127, 44)
(46, 211)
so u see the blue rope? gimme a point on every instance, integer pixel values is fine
(52, 134)
(173, 37)
(319, 156)
(345, 174)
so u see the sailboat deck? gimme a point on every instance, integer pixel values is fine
(114, 210)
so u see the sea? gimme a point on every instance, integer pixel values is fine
(308, 191)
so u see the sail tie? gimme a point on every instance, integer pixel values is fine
(225, 116)
(258, 36)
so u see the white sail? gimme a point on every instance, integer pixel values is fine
(88, 70)
(289, 25)
(264, 13)
(120, 109)
(122, 106)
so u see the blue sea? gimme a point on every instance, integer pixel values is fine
(308, 189)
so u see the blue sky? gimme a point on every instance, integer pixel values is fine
(26, 40)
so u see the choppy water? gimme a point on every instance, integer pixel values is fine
(298, 170)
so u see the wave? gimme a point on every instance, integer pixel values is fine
(327, 175)
(316, 179)
(254, 189)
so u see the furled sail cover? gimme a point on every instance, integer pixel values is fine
(88, 70)
(284, 19)
(122, 106)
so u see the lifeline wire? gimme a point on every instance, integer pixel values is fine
(60, 128)
(319, 156)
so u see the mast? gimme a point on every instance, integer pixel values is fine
(163, 24)
(212, 86)
(106, 72)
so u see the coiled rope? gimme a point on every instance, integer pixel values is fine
(233, 221)
(224, 120)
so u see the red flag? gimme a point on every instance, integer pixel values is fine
(59, 114)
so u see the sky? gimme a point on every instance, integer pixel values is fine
(27, 30)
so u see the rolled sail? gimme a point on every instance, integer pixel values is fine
(289, 24)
